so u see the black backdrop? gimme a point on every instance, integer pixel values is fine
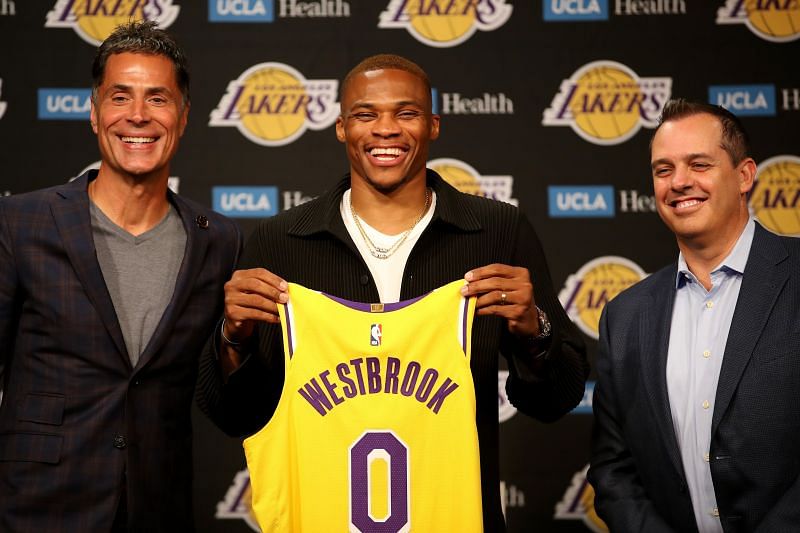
(547, 104)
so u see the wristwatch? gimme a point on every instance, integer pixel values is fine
(544, 325)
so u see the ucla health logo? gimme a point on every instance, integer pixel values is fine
(3, 105)
(775, 198)
(444, 23)
(64, 104)
(466, 179)
(587, 292)
(574, 10)
(272, 104)
(94, 20)
(578, 504)
(744, 100)
(606, 102)
(580, 201)
(774, 20)
(245, 202)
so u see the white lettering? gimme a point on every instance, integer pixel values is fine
(575, 7)
(580, 201)
(241, 7)
(67, 103)
(244, 201)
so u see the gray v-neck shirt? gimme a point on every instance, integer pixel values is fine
(140, 273)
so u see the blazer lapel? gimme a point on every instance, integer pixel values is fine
(765, 275)
(654, 328)
(196, 227)
(70, 210)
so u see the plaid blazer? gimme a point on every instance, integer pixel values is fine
(77, 422)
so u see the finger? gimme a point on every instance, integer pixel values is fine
(491, 271)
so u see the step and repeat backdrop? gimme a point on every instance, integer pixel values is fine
(546, 104)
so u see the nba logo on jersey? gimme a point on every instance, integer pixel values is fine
(375, 334)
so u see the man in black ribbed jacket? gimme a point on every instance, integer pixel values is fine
(392, 230)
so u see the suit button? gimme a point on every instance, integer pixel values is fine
(119, 442)
(364, 279)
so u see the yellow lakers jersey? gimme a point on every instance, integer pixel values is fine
(375, 428)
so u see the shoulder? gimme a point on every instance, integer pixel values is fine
(36, 201)
(641, 293)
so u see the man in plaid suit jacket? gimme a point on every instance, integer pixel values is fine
(108, 287)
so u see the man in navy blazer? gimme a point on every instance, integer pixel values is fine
(108, 287)
(697, 418)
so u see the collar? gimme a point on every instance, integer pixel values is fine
(451, 209)
(734, 262)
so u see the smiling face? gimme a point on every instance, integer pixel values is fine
(138, 116)
(387, 125)
(701, 196)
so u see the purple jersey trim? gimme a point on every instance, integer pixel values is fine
(464, 326)
(289, 341)
(361, 306)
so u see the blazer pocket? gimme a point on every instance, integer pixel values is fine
(42, 408)
(778, 349)
(32, 447)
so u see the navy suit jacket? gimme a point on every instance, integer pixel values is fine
(77, 422)
(636, 468)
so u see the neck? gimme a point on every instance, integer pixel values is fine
(134, 205)
(702, 258)
(390, 213)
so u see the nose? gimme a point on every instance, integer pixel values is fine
(681, 179)
(139, 111)
(385, 125)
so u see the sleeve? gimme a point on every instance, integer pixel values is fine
(620, 498)
(9, 305)
(243, 403)
(544, 390)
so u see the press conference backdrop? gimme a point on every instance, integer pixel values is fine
(547, 104)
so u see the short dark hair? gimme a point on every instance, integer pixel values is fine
(385, 61)
(142, 37)
(735, 140)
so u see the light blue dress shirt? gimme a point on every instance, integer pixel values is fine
(701, 321)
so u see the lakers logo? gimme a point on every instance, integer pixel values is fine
(774, 20)
(466, 179)
(775, 199)
(445, 23)
(505, 409)
(587, 292)
(578, 504)
(94, 20)
(272, 104)
(606, 103)
(237, 503)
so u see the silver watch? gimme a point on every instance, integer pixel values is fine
(544, 325)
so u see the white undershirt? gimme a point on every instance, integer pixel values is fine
(387, 273)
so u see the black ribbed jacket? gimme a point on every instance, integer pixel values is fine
(310, 245)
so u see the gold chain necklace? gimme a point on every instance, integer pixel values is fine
(379, 252)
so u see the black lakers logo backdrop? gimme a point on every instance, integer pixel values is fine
(545, 104)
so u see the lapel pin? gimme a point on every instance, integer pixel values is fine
(202, 221)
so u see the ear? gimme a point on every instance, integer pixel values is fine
(435, 119)
(340, 129)
(93, 116)
(184, 119)
(747, 175)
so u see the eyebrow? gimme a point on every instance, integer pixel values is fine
(128, 88)
(688, 157)
(400, 103)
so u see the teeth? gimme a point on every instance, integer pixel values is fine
(687, 203)
(140, 140)
(387, 153)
